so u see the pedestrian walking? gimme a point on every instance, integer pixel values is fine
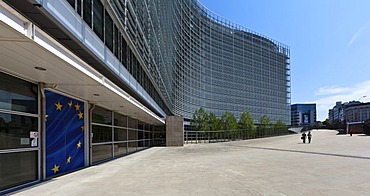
(309, 136)
(350, 132)
(304, 137)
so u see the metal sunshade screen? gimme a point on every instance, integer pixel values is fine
(64, 134)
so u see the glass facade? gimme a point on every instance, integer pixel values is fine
(18, 168)
(114, 134)
(18, 119)
(187, 57)
(224, 67)
(303, 114)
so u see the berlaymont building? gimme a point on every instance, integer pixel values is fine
(85, 81)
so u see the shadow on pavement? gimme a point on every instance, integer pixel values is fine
(307, 152)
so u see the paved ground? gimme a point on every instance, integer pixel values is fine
(331, 165)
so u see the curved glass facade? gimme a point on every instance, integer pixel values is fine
(210, 62)
(187, 57)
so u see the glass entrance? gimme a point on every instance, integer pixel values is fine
(19, 128)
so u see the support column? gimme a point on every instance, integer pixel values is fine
(174, 131)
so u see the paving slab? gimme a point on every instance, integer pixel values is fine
(331, 165)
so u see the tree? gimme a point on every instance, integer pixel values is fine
(200, 120)
(264, 125)
(280, 127)
(230, 124)
(214, 122)
(247, 124)
(326, 122)
(228, 121)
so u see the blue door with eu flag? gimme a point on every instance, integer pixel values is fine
(64, 134)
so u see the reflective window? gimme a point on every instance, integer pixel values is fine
(132, 146)
(101, 152)
(140, 125)
(116, 41)
(72, 3)
(87, 11)
(78, 7)
(132, 123)
(108, 31)
(140, 135)
(120, 120)
(17, 168)
(17, 94)
(15, 131)
(120, 134)
(101, 116)
(132, 134)
(120, 149)
(98, 15)
(101, 134)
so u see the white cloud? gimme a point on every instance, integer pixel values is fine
(330, 90)
(343, 94)
(354, 37)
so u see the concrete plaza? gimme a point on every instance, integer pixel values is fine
(331, 165)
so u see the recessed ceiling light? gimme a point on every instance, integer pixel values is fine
(40, 68)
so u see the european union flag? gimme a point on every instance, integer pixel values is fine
(64, 134)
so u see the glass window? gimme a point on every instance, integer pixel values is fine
(132, 123)
(102, 116)
(18, 168)
(101, 134)
(120, 149)
(124, 52)
(140, 145)
(140, 135)
(116, 44)
(120, 134)
(108, 31)
(15, 131)
(147, 135)
(132, 134)
(72, 3)
(120, 120)
(132, 146)
(140, 125)
(87, 11)
(17, 94)
(98, 14)
(78, 7)
(101, 152)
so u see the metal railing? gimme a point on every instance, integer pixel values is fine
(232, 135)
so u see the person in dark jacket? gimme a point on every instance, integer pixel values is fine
(309, 136)
(304, 137)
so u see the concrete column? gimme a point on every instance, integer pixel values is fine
(174, 131)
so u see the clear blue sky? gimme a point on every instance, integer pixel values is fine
(329, 44)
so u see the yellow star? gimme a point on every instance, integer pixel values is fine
(79, 144)
(59, 106)
(69, 159)
(56, 168)
(80, 115)
(77, 106)
(82, 128)
(70, 104)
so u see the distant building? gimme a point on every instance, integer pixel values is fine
(358, 112)
(338, 113)
(303, 114)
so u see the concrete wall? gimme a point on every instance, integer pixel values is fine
(174, 131)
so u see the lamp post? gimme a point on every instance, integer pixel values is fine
(362, 97)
